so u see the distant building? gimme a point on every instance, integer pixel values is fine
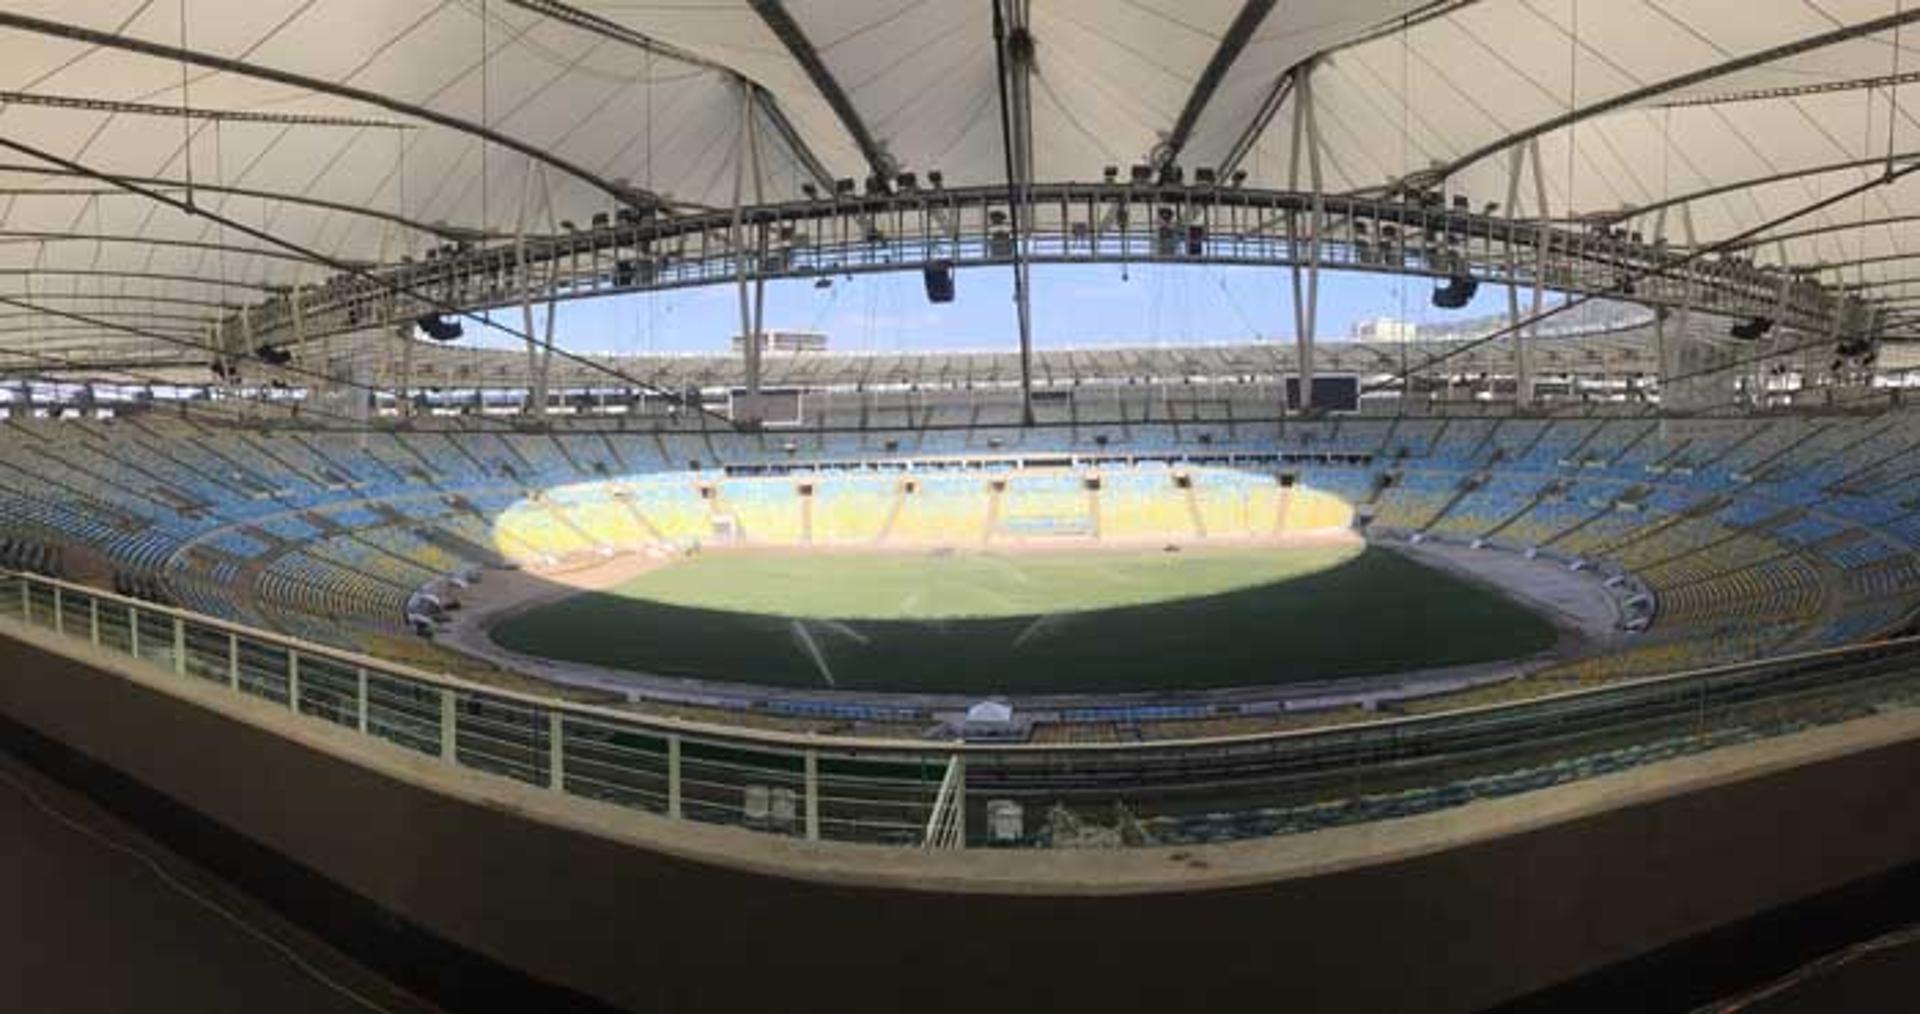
(1385, 329)
(786, 341)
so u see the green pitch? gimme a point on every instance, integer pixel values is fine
(954, 585)
(982, 623)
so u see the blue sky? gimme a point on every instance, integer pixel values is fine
(1072, 305)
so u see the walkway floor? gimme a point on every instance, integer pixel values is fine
(95, 917)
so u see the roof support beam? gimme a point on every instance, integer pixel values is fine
(1796, 91)
(1239, 32)
(1822, 230)
(1722, 189)
(1262, 117)
(1885, 283)
(780, 22)
(11, 237)
(120, 108)
(164, 183)
(588, 21)
(1859, 262)
(108, 40)
(1647, 93)
(152, 276)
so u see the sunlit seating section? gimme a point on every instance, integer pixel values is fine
(531, 525)
(596, 513)
(1235, 504)
(1309, 509)
(1348, 484)
(763, 510)
(673, 507)
(1044, 504)
(1142, 503)
(943, 508)
(853, 508)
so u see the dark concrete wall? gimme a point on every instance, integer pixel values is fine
(477, 891)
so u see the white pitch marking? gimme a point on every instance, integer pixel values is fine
(819, 660)
(847, 630)
(1035, 627)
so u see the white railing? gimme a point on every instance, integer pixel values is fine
(947, 826)
(930, 793)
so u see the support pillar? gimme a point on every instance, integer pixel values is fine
(1306, 293)
(746, 158)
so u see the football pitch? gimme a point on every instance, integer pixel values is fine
(982, 622)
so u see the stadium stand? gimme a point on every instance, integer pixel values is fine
(1764, 537)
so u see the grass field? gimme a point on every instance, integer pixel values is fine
(1051, 621)
(974, 584)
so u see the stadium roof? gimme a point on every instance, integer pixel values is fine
(366, 129)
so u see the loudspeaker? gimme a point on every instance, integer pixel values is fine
(939, 279)
(439, 328)
(1458, 292)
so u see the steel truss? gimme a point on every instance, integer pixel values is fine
(1060, 224)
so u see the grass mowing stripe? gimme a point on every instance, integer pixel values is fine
(1376, 613)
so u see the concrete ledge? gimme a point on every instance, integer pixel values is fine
(1455, 910)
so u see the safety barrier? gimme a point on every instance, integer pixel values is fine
(955, 794)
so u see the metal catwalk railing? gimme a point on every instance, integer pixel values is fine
(1061, 224)
(951, 794)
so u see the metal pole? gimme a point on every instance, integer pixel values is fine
(749, 338)
(1541, 240)
(673, 776)
(959, 801)
(1309, 313)
(1013, 145)
(556, 752)
(179, 646)
(447, 737)
(754, 351)
(293, 680)
(813, 795)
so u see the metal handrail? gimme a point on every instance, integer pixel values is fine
(896, 791)
(803, 741)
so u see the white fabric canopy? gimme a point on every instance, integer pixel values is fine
(372, 129)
